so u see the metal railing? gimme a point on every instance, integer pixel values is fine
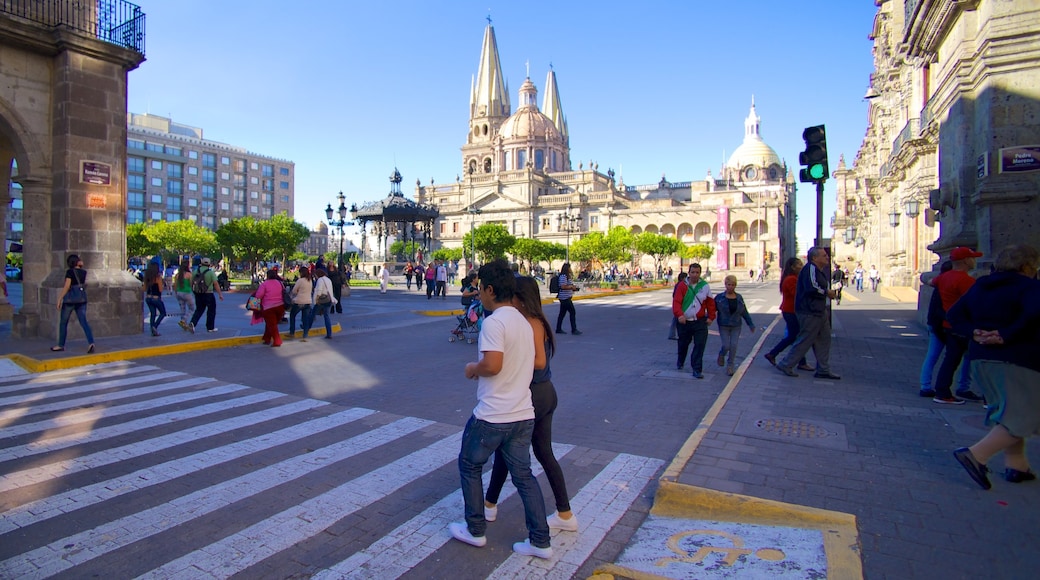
(115, 21)
(910, 131)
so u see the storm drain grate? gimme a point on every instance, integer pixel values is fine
(793, 428)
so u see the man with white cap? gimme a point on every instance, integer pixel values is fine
(951, 286)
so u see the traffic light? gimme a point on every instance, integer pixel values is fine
(814, 158)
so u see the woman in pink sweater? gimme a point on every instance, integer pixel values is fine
(273, 308)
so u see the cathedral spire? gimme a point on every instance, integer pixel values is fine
(490, 96)
(551, 106)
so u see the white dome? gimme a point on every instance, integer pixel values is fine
(528, 121)
(753, 151)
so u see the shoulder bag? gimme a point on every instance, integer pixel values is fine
(77, 293)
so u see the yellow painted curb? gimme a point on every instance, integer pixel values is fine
(38, 366)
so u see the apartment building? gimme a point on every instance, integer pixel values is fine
(173, 173)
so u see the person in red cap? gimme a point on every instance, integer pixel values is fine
(951, 286)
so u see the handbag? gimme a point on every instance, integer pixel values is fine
(323, 299)
(253, 303)
(346, 291)
(77, 293)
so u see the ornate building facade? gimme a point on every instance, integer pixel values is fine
(951, 155)
(517, 171)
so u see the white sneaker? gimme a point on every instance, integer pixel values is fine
(213, 330)
(557, 523)
(460, 532)
(490, 513)
(526, 549)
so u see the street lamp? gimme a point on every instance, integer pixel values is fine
(342, 221)
(893, 218)
(473, 212)
(913, 208)
(569, 223)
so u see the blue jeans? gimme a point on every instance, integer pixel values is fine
(305, 321)
(479, 441)
(81, 315)
(320, 310)
(155, 305)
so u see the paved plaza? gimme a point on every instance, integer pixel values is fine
(337, 458)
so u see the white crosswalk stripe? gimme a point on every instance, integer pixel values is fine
(69, 376)
(112, 505)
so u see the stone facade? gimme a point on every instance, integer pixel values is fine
(62, 109)
(955, 96)
(517, 171)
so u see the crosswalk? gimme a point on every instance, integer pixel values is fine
(663, 301)
(136, 471)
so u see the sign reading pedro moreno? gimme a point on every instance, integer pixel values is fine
(95, 172)
(1020, 159)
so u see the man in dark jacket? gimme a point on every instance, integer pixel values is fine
(810, 305)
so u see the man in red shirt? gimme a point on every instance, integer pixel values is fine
(694, 310)
(951, 286)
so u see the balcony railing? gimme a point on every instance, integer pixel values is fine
(911, 130)
(115, 21)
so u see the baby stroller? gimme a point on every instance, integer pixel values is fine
(469, 323)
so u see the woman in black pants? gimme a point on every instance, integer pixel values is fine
(529, 301)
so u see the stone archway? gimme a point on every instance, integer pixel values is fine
(63, 119)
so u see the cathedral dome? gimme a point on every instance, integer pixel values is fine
(528, 121)
(753, 151)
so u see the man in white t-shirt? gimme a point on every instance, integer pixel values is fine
(503, 419)
(442, 280)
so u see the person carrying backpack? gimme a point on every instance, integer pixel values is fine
(203, 285)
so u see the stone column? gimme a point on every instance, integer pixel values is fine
(36, 203)
(6, 158)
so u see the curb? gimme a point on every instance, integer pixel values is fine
(38, 366)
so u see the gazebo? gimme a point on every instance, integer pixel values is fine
(395, 217)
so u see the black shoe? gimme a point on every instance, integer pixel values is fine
(576, 332)
(673, 338)
(1016, 476)
(927, 393)
(560, 331)
(828, 376)
(969, 396)
(771, 358)
(975, 470)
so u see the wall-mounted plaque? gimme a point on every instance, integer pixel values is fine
(1020, 159)
(95, 172)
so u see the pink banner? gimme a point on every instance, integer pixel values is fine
(722, 244)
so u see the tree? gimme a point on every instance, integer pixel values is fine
(617, 246)
(527, 250)
(492, 241)
(447, 254)
(180, 238)
(699, 252)
(137, 242)
(657, 246)
(284, 235)
(405, 249)
(588, 248)
(243, 239)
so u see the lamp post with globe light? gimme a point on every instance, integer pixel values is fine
(340, 223)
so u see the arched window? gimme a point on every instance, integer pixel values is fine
(472, 166)
(738, 231)
(539, 158)
(651, 229)
(636, 230)
(686, 233)
(758, 228)
(487, 165)
(668, 230)
(521, 159)
(702, 233)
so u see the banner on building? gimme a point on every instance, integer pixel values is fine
(1020, 159)
(722, 243)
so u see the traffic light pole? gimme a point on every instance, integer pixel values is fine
(819, 214)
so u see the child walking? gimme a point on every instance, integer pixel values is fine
(731, 309)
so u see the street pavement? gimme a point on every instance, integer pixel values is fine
(337, 458)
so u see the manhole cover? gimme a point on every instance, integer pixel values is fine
(793, 428)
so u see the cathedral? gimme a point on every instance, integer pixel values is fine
(517, 171)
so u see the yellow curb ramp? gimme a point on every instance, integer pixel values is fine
(38, 366)
(680, 501)
(589, 296)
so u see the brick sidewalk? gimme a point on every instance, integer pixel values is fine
(869, 446)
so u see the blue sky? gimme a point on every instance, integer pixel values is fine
(349, 90)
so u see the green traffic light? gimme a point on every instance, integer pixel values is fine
(816, 171)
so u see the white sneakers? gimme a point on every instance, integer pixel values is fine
(460, 532)
(525, 548)
(557, 523)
